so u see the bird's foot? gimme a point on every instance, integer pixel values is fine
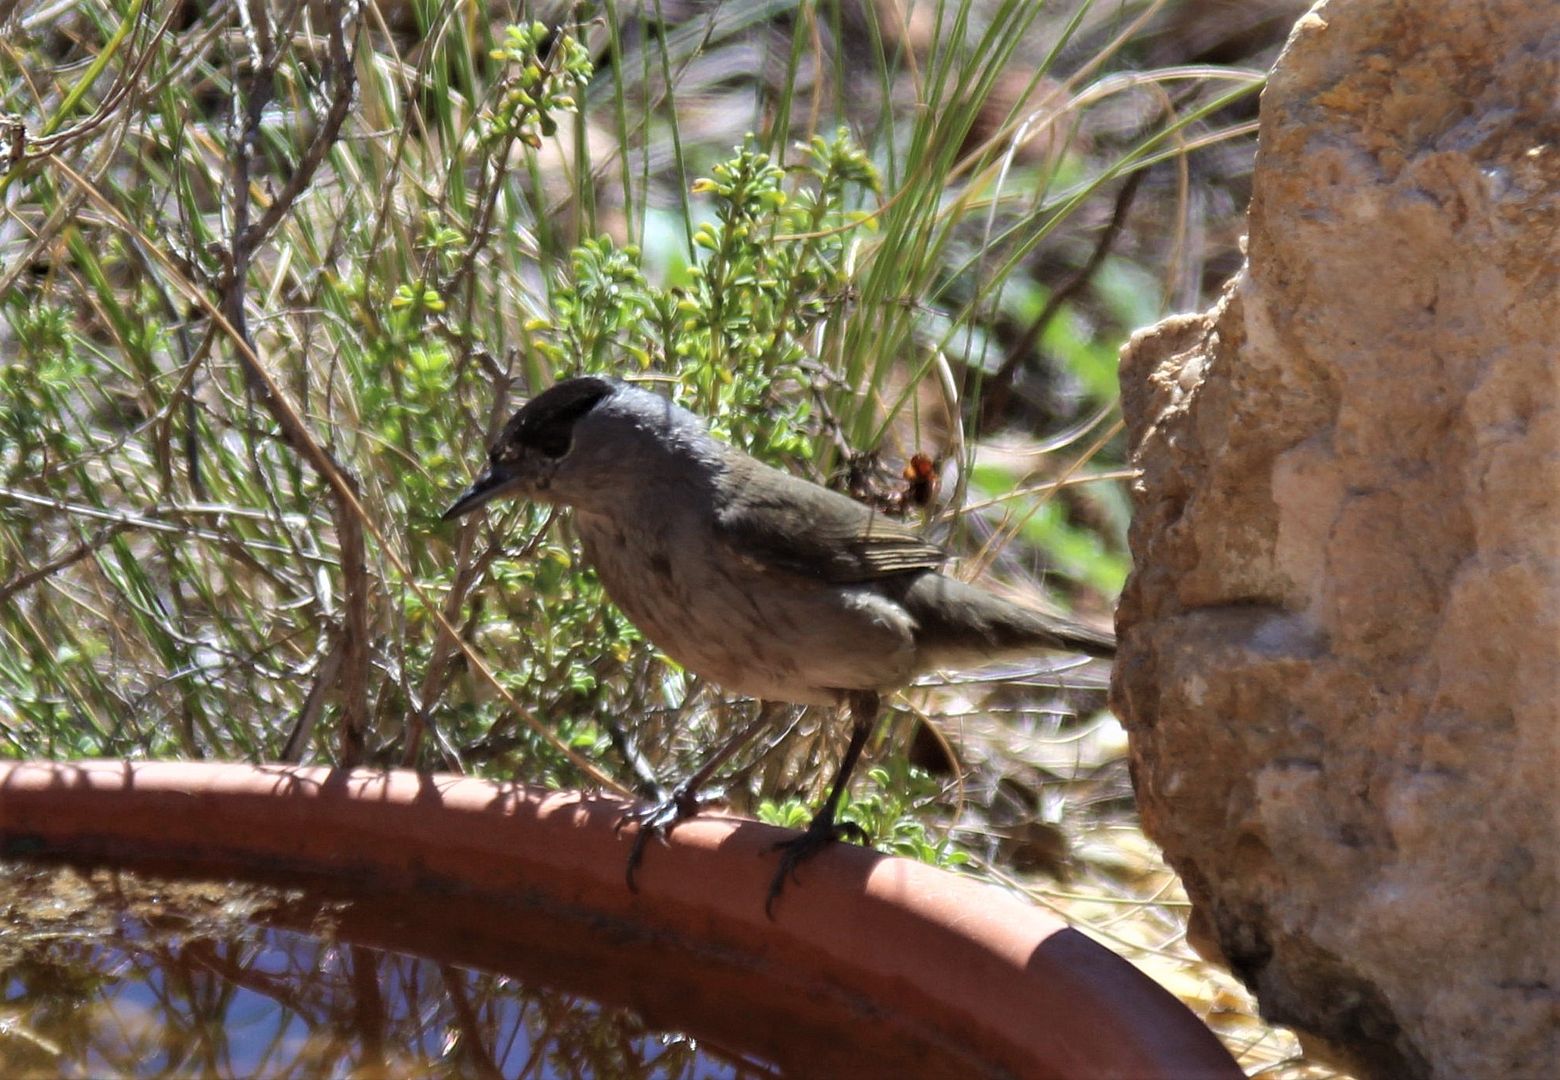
(658, 819)
(822, 831)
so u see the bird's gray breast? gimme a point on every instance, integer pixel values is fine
(750, 630)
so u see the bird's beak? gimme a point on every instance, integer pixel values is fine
(494, 483)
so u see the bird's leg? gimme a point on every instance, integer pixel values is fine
(823, 829)
(682, 802)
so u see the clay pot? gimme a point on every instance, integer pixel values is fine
(873, 965)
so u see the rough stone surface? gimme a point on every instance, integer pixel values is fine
(1341, 638)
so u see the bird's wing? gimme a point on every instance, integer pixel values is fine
(778, 522)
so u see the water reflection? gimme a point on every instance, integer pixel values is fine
(108, 974)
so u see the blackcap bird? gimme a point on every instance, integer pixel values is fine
(764, 583)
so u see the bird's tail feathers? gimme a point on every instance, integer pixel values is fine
(961, 625)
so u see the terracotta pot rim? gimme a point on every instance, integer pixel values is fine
(938, 954)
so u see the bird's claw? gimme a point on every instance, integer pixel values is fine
(658, 819)
(822, 831)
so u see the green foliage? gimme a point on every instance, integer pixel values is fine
(769, 268)
(891, 812)
(604, 309)
(36, 390)
(535, 87)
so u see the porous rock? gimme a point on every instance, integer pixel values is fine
(1340, 661)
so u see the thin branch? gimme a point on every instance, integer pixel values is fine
(999, 387)
(60, 562)
(343, 78)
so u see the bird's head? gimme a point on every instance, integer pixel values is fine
(538, 439)
(585, 442)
